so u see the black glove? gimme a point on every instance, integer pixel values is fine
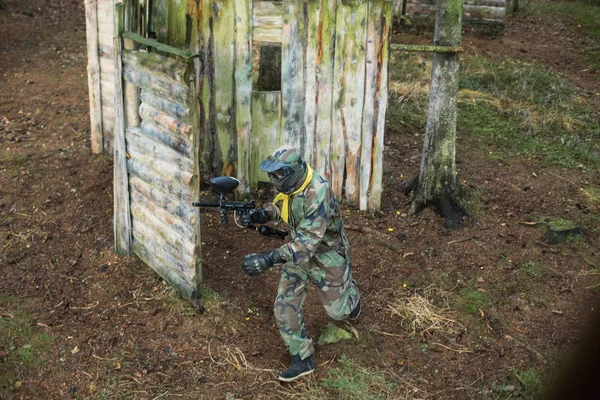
(255, 264)
(257, 216)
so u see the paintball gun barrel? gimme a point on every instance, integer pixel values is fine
(224, 185)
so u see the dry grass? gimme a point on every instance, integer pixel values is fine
(234, 357)
(592, 198)
(419, 315)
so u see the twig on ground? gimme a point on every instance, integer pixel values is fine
(375, 235)
(94, 305)
(388, 334)
(535, 354)
(465, 350)
(459, 241)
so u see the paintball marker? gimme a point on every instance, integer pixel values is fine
(224, 185)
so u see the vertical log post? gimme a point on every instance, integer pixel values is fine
(293, 57)
(122, 212)
(131, 14)
(93, 70)
(437, 181)
(243, 91)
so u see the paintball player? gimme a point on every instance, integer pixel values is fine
(317, 253)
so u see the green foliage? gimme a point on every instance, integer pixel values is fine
(531, 382)
(351, 381)
(533, 269)
(473, 300)
(333, 334)
(24, 345)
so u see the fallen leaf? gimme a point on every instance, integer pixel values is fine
(75, 350)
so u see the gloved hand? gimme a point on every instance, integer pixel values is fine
(255, 264)
(256, 216)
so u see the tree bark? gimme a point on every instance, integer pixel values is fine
(436, 185)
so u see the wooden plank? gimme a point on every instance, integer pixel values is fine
(159, 117)
(158, 150)
(310, 78)
(196, 119)
(325, 42)
(108, 114)
(162, 199)
(105, 38)
(106, 26)
(160, 19)
(169, 68)
(224, 60)
(132, 96)
(379, 100)
(141, 213)
(160, 85)
(162, 250)
(170, 139)
(176, 29)
(293, 60)
(349, 89)
(105, 50)
(163, 170)
(107, 64)
(122, 216)
(172, 108)
(243, 92)
(187, 289)
(167, 184)
(266, 131)
(175, 228)
(489, 3)
(93, 70)
(267, 20)
(164, 48)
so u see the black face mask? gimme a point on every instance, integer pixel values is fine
(288, 179)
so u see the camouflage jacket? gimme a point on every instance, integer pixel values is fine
(315, 223)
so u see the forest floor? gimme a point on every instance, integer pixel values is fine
(490, 310)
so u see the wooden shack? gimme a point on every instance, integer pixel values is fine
(173, 97)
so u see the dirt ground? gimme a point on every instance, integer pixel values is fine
(117, 332)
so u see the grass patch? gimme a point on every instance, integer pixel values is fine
(512, 106)
(473, 299)
(531, 381)
(533, 269)
(25, 347)
(351, 381)
(523, 108)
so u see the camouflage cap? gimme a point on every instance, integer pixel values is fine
(284, 156)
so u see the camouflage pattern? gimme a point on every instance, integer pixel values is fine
(318, 252)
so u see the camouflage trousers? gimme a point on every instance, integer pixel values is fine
(331, 274)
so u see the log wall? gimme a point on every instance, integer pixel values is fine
(333, 89)
(161, 170)
(483, 17)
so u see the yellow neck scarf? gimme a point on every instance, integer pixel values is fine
(286, 197)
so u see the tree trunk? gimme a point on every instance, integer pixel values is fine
(436, 184)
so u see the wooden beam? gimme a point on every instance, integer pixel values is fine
(122, 211)
(426, 48)
(165, 48)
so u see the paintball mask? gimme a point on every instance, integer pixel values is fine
(285, 168)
